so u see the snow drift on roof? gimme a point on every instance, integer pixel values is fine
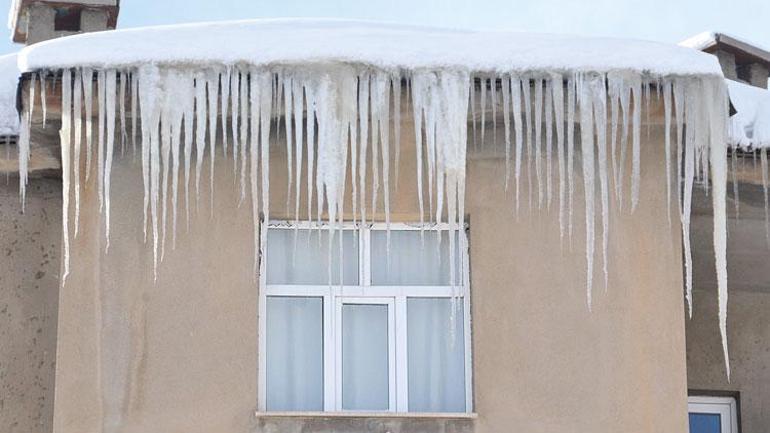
(750, 126)
(701, 41)
(9, 80)
(291, 41)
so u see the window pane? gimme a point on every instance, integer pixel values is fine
(705, 423)
(415, 259)
(364, 357)
(294, 354)
(304, 259)
(436, 355)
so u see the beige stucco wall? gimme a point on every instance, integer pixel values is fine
(29, 294)
(180, 354)
(748, 329)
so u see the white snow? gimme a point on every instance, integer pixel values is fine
(708, 38)
(9, 81)
(292, 41)
(750, 126)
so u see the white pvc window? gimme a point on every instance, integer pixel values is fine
(712, 414)
(391, 335)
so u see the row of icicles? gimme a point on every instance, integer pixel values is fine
(351, 117)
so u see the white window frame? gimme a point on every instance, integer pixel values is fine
(333, 297)
(725, 407)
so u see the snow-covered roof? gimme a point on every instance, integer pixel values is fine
(706, 40)
(292, 41)
(9, 81)
(750, 126)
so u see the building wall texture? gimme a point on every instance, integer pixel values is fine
(29, 297)
(179, 353)
(749, 299)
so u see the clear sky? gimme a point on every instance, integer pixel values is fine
(661, 20)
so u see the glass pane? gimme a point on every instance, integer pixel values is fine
(415, 259)
(705, 423)
(302, 257)
(436, 355)
(364, 357)
(294, 354)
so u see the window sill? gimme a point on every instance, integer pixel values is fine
(408, 415)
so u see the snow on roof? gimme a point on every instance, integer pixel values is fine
(9, 81)
(292, 41)
(707, 39)
(750, 126)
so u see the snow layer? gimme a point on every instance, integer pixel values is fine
(750, 126)
(292, 41)
(9, 81)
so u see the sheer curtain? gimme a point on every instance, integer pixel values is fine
(415, 259)
(302, 257)
(294, 354)
(365, 357)
(436, 355)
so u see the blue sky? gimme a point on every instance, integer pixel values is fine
(660, 20)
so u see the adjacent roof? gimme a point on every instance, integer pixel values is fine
(292, 41)
(15, 13)
(9, 81)
(746, 52)
(750, 126)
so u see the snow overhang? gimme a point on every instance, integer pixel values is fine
(387, 46)
(9, 81)
(750, 126)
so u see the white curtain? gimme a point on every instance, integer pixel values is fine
(415, 259)
(365, 357)
(294, 354)
(436, 355)
(302, 257)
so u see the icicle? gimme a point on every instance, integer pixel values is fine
(101, 78)
(599, 91)
(188, 114)
(109, 100)
(493, 94)
(473, 112)
(539, 139)
(417, 112)
(558, 102)
(149, 90)
(43, 76)
(363, 127)
(397, 124)
(254, 103)
(763, 165)
(734, 176)
(380, 99)
(122, 106)
(212, 85)
(667, 131)
(636, 169)
(244, 131)
(526, 87)
(678, 90)
(571, 82)
(65, 135)
(235, 99)
(88, 95)
(311, 143)
(506, 85)
(168, 81)
(519, 137)
(287, 113)
(689, 174)
(548, 123)
(77, 120)
(299, 106)
(201, 114)
(225, 101)
(587, 147)
(625, 108)
(613, 94)
(134, 109)
(483, 108)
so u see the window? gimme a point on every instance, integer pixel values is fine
(67, 19)
(713, 414)
(347, 326)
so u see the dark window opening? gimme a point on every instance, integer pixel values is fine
(67, 20)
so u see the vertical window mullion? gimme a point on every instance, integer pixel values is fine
(402, 373)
